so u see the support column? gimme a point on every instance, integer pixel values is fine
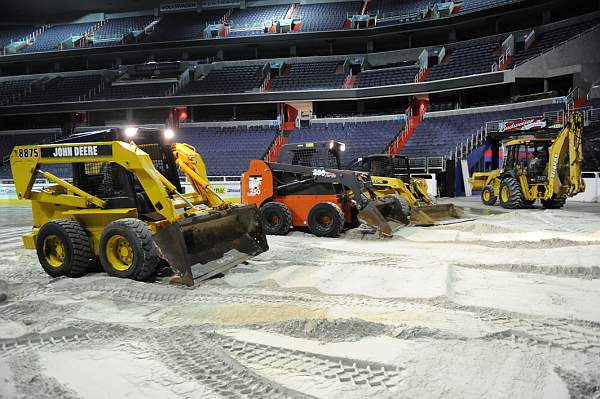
(219, 55)
(57, 67)
(370, 46)
(546, 16)
(129, 115)
(546, 85)
(118, 61)
(293, 51)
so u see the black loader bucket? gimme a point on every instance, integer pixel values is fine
(430, 215)
(385, 216)
(204, 245)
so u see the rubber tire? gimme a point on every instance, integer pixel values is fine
(145, 250)
(528, 203)
(493, 197)
(401, 202)
(336, 215)
(276, 209)
(78, 254)
(515, 196)
(554, 203)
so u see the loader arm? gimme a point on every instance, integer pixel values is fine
(567, 152)
(26, 161)
(192, 165)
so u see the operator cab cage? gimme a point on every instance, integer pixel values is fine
(324, 154)
(111, 182)
(388, 165)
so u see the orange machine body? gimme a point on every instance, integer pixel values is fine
(259, 186)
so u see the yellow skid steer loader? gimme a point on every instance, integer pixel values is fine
(125, 208)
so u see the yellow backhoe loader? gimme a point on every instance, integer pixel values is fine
(544, 166)
(126, 210)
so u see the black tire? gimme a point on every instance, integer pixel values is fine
(554, 203)
(488, 197)
(142, 249)
(400, 203)
(511, 196)
(75, 256)
(528, 202)
(326, 220)
(276, 218)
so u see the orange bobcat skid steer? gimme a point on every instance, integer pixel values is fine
(324, 200)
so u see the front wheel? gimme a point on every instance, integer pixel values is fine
(511, 196)
(276, 218)
(488, 197)
(63, 248)
(326, 220)
(128, 250)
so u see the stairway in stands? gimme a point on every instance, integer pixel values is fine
(412, 122)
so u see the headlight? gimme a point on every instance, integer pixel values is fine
(342, 147)
(131, 131)
(168, 134)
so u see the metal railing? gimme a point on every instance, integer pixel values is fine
(503, 60)
(427, 164)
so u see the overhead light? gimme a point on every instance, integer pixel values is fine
(131, 131)
(342, 147)
(168, 134)
(331, 145)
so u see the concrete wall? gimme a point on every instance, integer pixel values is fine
(579, 57)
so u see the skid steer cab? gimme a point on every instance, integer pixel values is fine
(305, 189)
(391, 176)
(124, 209)
(545, 166)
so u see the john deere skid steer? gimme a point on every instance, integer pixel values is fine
(391, 175)
(126, 210)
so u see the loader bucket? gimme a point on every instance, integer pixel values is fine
(434, 214)
(385, 216)
(204, 245)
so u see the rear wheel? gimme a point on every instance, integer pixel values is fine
(326, 220)
(554, 203)
(127, 250)
(63, 248)
(488, 197)
(511, 196)
(276, 218)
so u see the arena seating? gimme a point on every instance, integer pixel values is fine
(134, 90)
(233, 79)
(310, 75)
(439, 136)
(184, 26)
(60, 89)
(552, 38)
(11, 34)
(9, 90)
(256, 16)
(326, 16)
(228, 151)
(471, 5)
(393, 8)
(466, 61)
(388, 76)
(118, 27)
(361, 138)
(51, 39)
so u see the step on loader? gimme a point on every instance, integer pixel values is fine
(540, 165)
(125, 209)
(391, 175)
(324, 199)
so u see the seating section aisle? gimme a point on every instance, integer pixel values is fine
(439, 136)
(228, 151)
(309, 75)
(233, 79)
(118, 27)
(361, 138)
